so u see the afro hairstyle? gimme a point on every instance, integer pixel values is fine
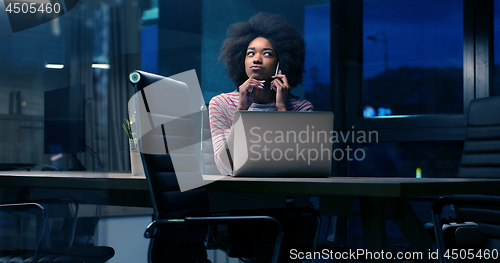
(287, 42)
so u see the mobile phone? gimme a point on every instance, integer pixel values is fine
(276, 73)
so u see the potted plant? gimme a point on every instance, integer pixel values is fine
(135, 155)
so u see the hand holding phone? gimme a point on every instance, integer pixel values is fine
(281, 87)
(275, 73)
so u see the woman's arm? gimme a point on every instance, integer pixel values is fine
(220, 126)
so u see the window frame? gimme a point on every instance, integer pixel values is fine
(347, 76)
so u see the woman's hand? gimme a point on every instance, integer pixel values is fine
(282, 88)
(247, 92)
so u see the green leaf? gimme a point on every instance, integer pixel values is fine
(126, 131)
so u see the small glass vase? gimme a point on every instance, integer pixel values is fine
(135, 158)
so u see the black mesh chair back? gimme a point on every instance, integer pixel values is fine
(481, 153)
(171, 242)
(175, 242)
(480, 159)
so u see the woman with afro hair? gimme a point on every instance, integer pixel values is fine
(264, 57)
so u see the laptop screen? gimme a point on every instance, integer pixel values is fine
(282, 144)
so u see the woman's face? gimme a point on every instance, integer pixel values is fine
(261, 59)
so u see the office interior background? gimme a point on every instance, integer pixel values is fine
(405, 69)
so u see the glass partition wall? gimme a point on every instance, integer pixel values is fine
(403, 70)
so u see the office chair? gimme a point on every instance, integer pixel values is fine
(181, 218)
(54, 222)
(56, 242)
(21, 231)
(66, 235)
(476, 223)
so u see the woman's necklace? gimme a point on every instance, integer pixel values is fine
(271, 105)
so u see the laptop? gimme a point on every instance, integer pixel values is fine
(282, 144)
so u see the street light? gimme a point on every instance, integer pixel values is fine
(382, 37)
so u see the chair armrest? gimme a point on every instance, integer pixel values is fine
(24, 207)
(439, 204)
(40, 213)
(65, 201)
(483, 200)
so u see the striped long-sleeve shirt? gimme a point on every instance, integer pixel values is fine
(221, 113)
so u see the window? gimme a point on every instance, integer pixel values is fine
(406, 70)
(495, 86)
(79, 59)
(412, 58)
(408, 159)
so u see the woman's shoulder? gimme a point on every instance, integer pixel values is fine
(297, 103)
(226, 96)
(225, 99)
(295, 97)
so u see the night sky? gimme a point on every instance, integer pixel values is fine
(424, 33)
